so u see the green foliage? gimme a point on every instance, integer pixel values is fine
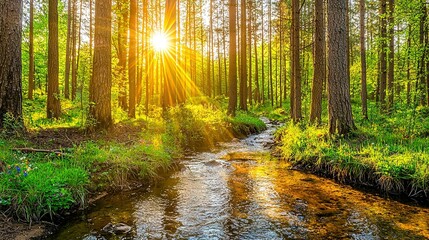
(34, 186)
(386, 151)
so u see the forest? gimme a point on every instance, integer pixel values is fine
(99, 98)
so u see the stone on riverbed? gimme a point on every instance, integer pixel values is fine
(119, 228)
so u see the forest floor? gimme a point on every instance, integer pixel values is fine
(80, 166)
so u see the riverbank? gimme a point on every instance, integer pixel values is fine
(389, 153)
(78, 166)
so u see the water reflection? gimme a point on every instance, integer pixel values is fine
(238, 192)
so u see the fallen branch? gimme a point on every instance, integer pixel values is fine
(34, 150)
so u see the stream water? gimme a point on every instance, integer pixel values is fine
(238, 192)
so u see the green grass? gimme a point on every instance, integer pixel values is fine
(389, 151)
(41, 186)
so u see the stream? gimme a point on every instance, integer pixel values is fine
(237, 191)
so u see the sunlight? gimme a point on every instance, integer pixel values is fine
(160, 41)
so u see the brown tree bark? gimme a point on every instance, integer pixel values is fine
(383, 50)
(132, 59)
(31, 53)
(243, 56)
(122, 19)
(101, 81)
(232, 77)
(53, 102)
(339, 106)
(10, 64)
(296, 66)
(68, 50)
(319, 63)
(169, 98)
(364, 92)
(73, 50)
(391, 69)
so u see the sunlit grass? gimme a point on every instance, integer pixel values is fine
(382, 152)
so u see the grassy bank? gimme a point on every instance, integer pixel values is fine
(36, 185)
(390, 152)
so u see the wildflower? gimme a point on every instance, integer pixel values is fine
(25, 174)
(18, 169)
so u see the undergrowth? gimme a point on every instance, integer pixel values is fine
(390, 152)
(37, 186)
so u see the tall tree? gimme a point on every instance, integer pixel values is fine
(68, 50)
(363, 60)
(53, 102)
(132, 59)
(232, 76)
(383, 53)
(243, 56)
(169, 96)
(339, 106)
(122, 19)
(31, 53)
(296, 66)
(101, 80)
(391, 70)
(10, 64)
(319, 63)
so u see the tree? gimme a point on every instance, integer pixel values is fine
(296, 66)
(232, 75)
(363, 60)
(243, 57)
(31, 53)
(53, 102)
(383, 50)
(132, 59)
(339, 106)
(10, 64)
(391, 70)
(122, 53)
(169, 62)
(319, 63)
(68, 50)
(101, 80)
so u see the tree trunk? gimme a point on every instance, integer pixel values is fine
(101, 81)
(68, 50)
(383, 62)
(319, 63)
(296, 66)
(363, 95)
(340, 111)
(169, 63)
(31, 53)
(122, 53)
(391, 70)
(232, 104)
(243, 56)
(73, 51)
(10, 64)
(132, 59)
(53, 104)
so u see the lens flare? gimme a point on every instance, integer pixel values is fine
(160, 41)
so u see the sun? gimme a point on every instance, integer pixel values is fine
(159, 41)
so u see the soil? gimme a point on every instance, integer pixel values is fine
(59, 138)
(10, 229)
